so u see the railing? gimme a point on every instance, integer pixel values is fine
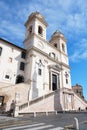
(11, 85)
(23, 106)
(41, 98)
(80, 99)
(67, 90)
(37, 99)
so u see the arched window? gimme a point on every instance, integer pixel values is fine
(30, 29)
(63, 48)
(66, 77)
(0, 51)
(40, 30)
(55, 44)
(19, 79)
(52, 54)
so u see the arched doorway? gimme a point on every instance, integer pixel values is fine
(19, 79)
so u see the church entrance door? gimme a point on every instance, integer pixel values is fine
(54, 82)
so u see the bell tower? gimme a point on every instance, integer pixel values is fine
(58, 40)
(35, 30)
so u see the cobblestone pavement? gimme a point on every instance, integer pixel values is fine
(61, 121)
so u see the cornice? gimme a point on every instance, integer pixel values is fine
(67, 66)
(55, 67)
(48, 57)
(43, 40)
(49, 44)
(34, 18)
(32, 55)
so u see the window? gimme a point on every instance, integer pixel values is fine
(52, 54)
(0, 51)
(7, 76)
(55, 44)
(30, 30)
(40, 30)
(66, 76)
(19, 79)
(22, 66)
(23, 55)
(39, 71)
(63, 48)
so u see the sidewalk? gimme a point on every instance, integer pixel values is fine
(4, 118)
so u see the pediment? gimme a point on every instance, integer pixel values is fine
(56, 67)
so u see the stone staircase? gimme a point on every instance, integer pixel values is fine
(47, 103)
(79, 103)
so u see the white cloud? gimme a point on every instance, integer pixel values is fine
(13, 32)
(80, 52)
(69, 16)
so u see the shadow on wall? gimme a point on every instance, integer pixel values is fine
(34, 86)
(57, 103)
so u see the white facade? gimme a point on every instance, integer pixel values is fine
(10, 59)
(45, 69)
(48, 57)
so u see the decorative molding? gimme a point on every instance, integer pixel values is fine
(32, 55)
(55, 67)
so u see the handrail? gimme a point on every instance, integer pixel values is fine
(41, 98)
(23, 106)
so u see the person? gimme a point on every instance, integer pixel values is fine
(12, 108)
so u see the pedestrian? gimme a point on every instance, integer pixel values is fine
(12, 108)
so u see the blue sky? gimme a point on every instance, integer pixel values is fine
(67, 16)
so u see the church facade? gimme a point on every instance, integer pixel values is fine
(42, 66)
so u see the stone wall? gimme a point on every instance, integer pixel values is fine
(48, 102)
(18, 93)
(79, 103)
